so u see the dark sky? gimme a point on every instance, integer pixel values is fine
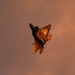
(16, 40)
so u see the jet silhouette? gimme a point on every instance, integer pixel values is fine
(41, 36)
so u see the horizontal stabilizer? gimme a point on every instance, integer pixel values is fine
(49, 37)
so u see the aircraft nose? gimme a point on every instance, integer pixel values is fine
(31, 26)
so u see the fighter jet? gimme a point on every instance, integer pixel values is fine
(41, 36)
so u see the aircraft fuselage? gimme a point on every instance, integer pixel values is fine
(38, 35)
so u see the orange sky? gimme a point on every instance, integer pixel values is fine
(16, 40)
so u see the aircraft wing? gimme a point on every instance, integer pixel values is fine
(46, 29)
(36, 46)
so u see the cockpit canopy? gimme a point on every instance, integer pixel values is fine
(37, 28)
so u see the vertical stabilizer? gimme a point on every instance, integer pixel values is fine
(41, 50)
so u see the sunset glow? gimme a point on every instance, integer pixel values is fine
(16, 40)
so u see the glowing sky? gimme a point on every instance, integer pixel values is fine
(16, 40)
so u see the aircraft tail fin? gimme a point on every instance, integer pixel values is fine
(49, 37)
(41, 50)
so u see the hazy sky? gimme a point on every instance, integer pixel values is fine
(16, 40)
